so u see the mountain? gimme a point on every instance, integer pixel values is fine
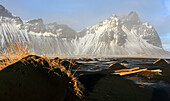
(5, 13)
(125, 36)
(120, 36)
(34, 33)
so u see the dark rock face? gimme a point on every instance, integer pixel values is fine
(61, 30)
(51, 27)
(35, 25)
(132, 21)
(31, 79)
(4, 12)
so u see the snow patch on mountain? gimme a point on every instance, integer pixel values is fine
(116, 36)
(120, 36)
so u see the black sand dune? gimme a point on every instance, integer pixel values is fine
(106, 87)
(164, 65)
(161, 62)
(124, 61)
(31, 79)
(113, 67)
(166, 73)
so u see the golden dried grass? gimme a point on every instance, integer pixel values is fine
(18, 50)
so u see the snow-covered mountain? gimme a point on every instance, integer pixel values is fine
(120, 36)
(115, 36)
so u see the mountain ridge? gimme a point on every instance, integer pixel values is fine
(113, 36)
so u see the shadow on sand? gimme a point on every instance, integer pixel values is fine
(160, 95)
(89, 81)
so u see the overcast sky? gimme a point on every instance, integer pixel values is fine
(79, 14)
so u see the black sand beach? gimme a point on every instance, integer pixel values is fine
(34, 79)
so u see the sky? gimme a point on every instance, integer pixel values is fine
(79, 14)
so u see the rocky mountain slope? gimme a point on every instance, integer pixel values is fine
(120, 35)
(126, 36)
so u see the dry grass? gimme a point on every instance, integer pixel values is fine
(18, 50)
(14, 52)
(76, 84)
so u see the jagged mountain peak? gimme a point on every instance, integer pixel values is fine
(61, 30)
(112, 22)
(39, 20)
(116, 21)
(55, 25)
(7, 17)
(2, 7)
(118, 33)
(133, 14)
(35, 25)
(113, 16)
(133, 17)
(113, 36)
(5, 13)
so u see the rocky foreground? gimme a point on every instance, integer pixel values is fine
(34, 78)
(104, 86)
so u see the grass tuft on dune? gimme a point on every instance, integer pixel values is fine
(25, 76)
